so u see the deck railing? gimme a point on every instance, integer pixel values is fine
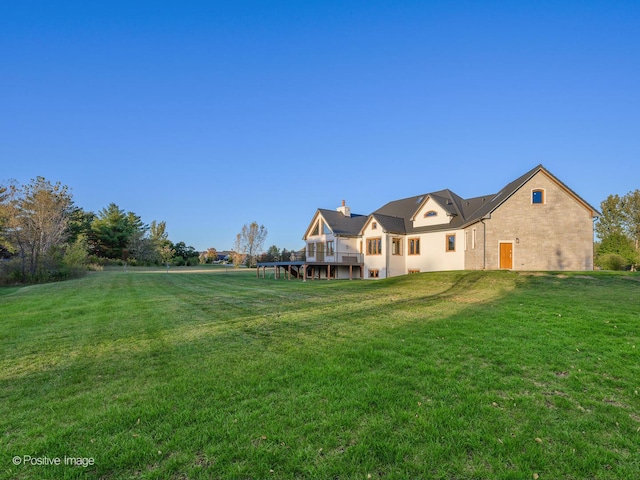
(348, 257)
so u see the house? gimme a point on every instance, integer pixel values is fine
(536, 222)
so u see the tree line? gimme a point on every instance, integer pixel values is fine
(45, 236)
(618, 230)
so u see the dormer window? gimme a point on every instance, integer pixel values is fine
(537, 197)
(431, 213)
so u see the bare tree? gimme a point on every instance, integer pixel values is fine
(238, 255)
(251, 240)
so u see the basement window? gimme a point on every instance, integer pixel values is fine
(374, 273)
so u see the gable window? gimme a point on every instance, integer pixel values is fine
(325, 229)
(316, 229)
(431, 213)
(451, 242)
(374, 246)
(537, 197)
(414, 246)
(330, 247)
(374, 273)
(396, 246)
(374, 226)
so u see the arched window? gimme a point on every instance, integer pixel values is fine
(431, 213)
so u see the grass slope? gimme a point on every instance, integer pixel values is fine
(222, 375)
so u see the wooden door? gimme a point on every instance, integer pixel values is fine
(506, 256)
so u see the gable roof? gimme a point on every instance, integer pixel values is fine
(340, 225)
(388, 223)
(463, 211)
(404, 210)
(499, 198)
(397, 216)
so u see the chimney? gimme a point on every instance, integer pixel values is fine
(344, 210)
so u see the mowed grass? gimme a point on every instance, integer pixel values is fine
(221, 375)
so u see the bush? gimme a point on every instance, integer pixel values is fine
(612, 261)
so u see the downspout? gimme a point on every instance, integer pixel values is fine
(386, 255)
(484, 244)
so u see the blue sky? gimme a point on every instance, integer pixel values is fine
(209, 115)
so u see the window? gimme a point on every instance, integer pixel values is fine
(374, 273)
(414, 270)
(414, 246)
(396, 246)
(374, 246)
(312, 249)
(330, 250)
(431, 213)
(537, 197)
(473, 239)
(451, 242)
(316, 229)
(374, 226)
(325, 229)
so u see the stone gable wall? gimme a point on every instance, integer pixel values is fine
(557, 235)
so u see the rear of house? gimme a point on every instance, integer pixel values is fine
(535, 222)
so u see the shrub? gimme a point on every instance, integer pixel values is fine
(612, 261)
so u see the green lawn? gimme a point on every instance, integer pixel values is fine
(220, 375)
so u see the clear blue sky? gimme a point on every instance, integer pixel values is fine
(210, 115)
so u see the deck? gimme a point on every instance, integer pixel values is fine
(311, 269)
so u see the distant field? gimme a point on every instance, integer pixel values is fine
(217, 374)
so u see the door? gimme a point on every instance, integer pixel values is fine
(506, 256)
(320, 252)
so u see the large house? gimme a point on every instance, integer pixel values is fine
(535, 222)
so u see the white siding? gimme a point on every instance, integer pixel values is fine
(430, 205)
(433, 254)
(376, 261)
